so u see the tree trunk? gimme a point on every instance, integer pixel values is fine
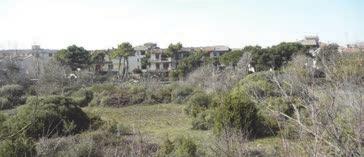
(123, 76)
(119, 66)
(127, 68)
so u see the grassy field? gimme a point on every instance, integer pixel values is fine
(167, 120)
(156, 121)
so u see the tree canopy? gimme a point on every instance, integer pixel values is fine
(231, 58)
(173, 49)
(124, 50)
(74, 56)
(274, 57)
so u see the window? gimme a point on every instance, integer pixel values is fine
(50, 55)
(156, 56)
(142, 52)
(157, 66)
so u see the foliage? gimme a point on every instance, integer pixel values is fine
(117, 96)
(274, 57)
(10, 73)
(137, 71)
(237, 111)
(95, 144)
(98, 57)
(258, 85)
(145, 61)
(74, 56)
(198, 102)
(124, 50)
(328, 53)
(181, 93)
(83, 97)
(53, 79)
(180, 147)
(188, 64)
(17, 147)
(173, 49)
(48, 116)
(231, 58)
(204, 120)
(161, 95)
(349, 67)
(11, 96)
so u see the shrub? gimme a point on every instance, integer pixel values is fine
(185, 147)
(118, 96)
(269, 119)
(95, 144)
(257, 85)
(137, 71)
(2, 127)
(5, 103)
(116, 128)
(83, 97)
(17, 147)
(67, 146)
(11, 95)
(197, 103)
(180, 147)
(181, 93)
(95, 121)
(48, 116)
(237, 111)
(98, 88)
(137, 94)
(204, 120)
(161, 94)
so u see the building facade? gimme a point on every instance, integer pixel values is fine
(30, 61)
(160, 61)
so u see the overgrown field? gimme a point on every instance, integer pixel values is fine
(161, 121)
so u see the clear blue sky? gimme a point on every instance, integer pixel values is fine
(98, 24)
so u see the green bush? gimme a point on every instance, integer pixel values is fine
(5, 103)
(17, 147)
(118, 96)
(48, 116)
(258, 85)
(237, 111)
(2, 127)
(98, 88)
(180, 147)
(11, 96)
(137, 94)
(116, 128)
(161, 95)
(181, 93)
(83, 97)
(197, 103)
(204, 120)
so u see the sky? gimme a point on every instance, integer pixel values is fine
(102, 24)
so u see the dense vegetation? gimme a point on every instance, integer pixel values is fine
(311, 103)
